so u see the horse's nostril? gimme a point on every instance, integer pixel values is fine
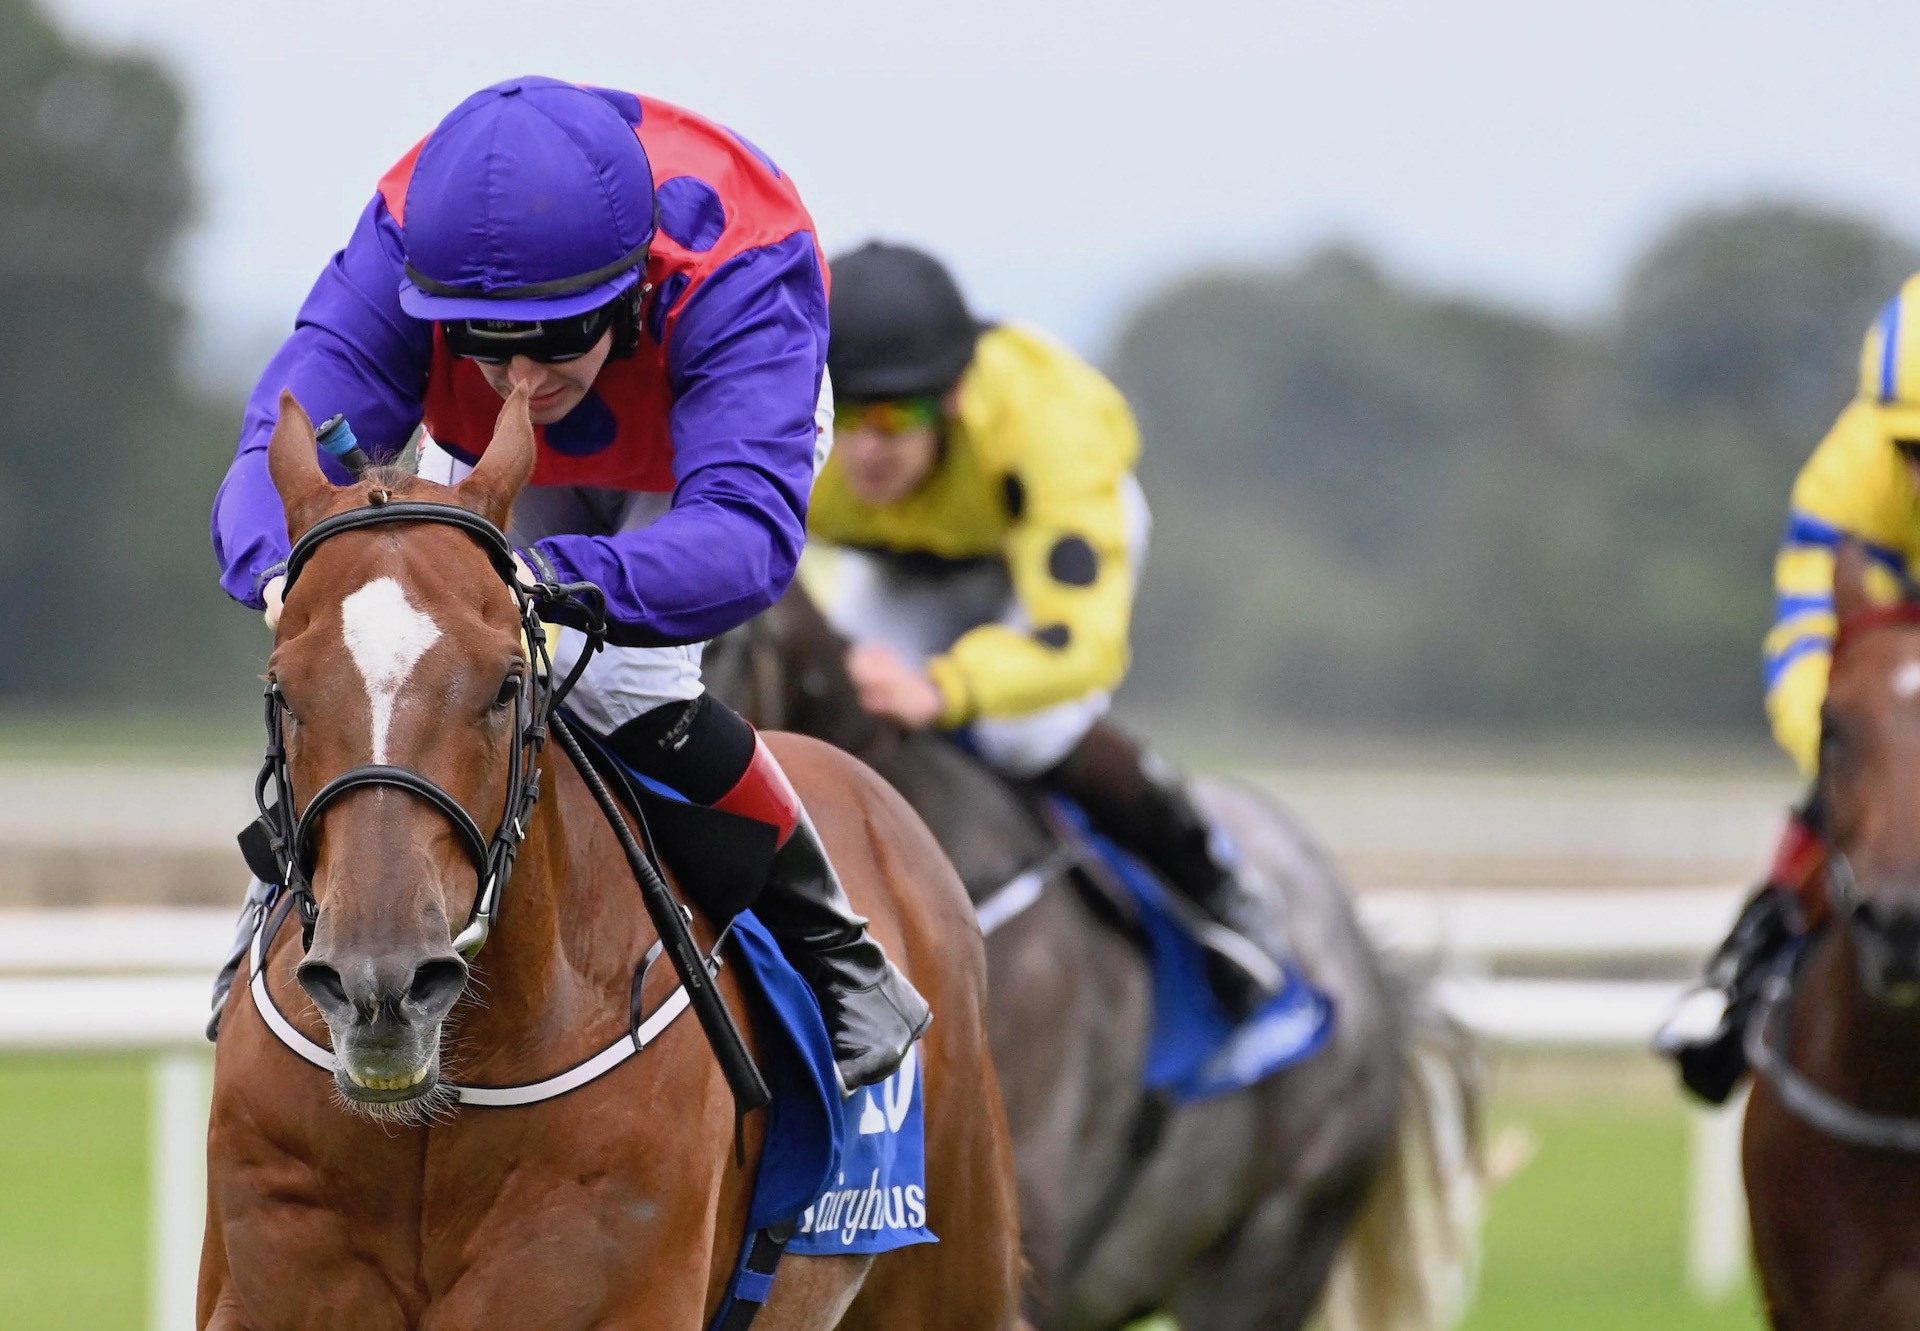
(323, 984)
(437, 984)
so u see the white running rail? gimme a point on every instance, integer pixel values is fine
(137, 980)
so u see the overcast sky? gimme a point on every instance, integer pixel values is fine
(1069, 155)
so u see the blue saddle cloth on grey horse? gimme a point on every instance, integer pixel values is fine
(1197, 1050)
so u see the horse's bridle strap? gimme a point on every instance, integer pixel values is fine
(401, 778)
(490, 537)
(1902, 613)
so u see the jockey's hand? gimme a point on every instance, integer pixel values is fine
(891, 688)
(274, 591)
(524, 575)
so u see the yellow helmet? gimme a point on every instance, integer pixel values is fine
(1890, 362)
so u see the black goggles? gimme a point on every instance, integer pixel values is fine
(497, 341)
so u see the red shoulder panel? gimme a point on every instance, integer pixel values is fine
(393, 185)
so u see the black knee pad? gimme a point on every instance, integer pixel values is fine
(699, 748)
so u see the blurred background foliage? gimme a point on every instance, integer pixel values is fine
(108, 457)
(1378, 507)
(1382, 506)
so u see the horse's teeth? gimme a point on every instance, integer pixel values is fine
(388, 1083)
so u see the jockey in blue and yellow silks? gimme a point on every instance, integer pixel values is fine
(986, 533)
(1862, 483)
(654, 282)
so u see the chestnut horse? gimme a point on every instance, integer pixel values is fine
(371, 1198)
(1832, 1148)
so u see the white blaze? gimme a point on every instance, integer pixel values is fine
(1906, 680)
(386, 637)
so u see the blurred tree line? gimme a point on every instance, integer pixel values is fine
(108, 458)
(1377, 506)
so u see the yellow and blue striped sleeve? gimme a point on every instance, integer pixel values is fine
(1854, 487)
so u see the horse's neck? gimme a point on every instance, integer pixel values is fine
(570, 931)
(1871, 1050)
(986, 831)
(985, 828)
(841, 721)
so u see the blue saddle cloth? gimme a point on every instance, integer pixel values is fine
(840, 1176)
(1197, 1050)
(846, 1175)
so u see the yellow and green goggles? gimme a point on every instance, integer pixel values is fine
(890, 416)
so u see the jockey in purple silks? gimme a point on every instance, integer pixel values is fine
(653, 280)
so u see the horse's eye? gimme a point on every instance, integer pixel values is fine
(509, 689)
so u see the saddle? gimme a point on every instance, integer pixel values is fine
(1195, 1051)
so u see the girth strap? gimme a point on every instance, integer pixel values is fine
(752, 1283)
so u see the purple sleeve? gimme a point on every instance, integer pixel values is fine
(746, 362)
(353, 350)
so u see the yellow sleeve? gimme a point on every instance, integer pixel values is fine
(1070, 454)
(1854, 486)
(1793, 708)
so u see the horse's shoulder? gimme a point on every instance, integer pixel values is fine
(836, 786)
(821, 770)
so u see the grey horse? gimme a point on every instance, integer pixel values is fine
(1346, 1184)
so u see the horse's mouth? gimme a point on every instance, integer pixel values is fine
(385, 1080)
(388, 1084)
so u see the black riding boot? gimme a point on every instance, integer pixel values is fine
(1705, 1034)
(252, 911)
(704, 750)
(1139, 802)
(873, 1011)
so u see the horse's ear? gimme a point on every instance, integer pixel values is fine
(491, 487)
(293, 460)
(1853, 591)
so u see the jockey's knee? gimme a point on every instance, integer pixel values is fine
(699, 748)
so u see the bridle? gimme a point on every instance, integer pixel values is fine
(1858, 625)
(1764, 1040)
(284, 838)
(278, 843)
(1843, 897)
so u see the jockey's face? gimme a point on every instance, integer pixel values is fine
(885, 468)
(887, 449)
(554, 388)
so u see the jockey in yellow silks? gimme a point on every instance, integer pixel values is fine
(1862, 484)
(986, 535)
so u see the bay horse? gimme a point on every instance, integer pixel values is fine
(387, 1194)
(1831, 1151)
(1347, 1182)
